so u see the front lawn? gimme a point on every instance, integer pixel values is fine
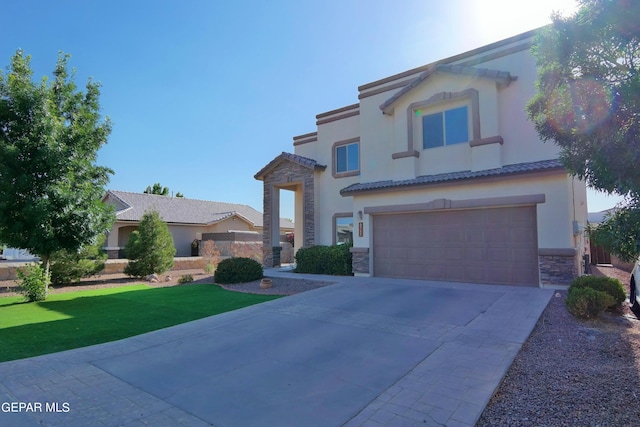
(77, 319)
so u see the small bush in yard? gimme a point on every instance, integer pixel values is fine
(608, 285)
(210, 252)
(150, 249)
(210, 268)
(587, 302)
(334, 260)
(238, 270)
(34, 282)
(187, 278)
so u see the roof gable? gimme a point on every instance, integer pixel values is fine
(288, 157)
(503, 78)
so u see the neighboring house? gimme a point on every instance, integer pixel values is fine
(437, 174)
(187, 219)
(13, 254)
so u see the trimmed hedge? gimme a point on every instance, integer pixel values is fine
(587, 302)
(589, 295)
(608, 285)
(238, 270)
(333, 260)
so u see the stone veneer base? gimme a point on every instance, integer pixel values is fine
(557, 270)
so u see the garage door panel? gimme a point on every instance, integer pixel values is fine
(454, 254)
(474, 255)
(496, 245)
(500, 254)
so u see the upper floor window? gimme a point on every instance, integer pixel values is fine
(445, 128)
(346, 158)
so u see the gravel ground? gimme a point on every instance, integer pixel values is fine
(573, 372)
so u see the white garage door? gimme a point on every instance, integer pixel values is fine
(497, 245)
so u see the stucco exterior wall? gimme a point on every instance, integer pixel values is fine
(554, 216)
(327, 188)
(182, 234)
(391, 149)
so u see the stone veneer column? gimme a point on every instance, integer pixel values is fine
(360, 260)
(308, 209)
(285, 175)
(276, 250)
(267, 247)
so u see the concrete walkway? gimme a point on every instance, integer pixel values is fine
(362, 352)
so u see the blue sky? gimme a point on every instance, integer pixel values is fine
(203, 93)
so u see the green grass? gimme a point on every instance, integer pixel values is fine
(78, 319)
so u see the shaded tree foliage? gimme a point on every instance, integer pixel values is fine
(69, 267)
(50, 185)
(588, 103)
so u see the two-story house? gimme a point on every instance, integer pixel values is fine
(436, 173)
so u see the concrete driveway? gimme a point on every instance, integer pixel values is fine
(364, 351)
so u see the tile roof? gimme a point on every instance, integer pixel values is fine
(453, 176)
(179, 210)
(304, 161)
(502, 77)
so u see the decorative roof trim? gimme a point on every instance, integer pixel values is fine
(306, 135)
(501, 77)
(336, 118)
(516, 169)
(459, 57)
(284, 156)
(336, 111)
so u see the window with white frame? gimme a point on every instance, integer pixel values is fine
(447, 127)
(347, 158)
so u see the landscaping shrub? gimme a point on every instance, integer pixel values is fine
(210, 268)
(186, 278)
(210, 252)
(334, 260)
(586, 302)
(69, 267)
(238, 270)
(150, 249)
(608, 285)
(34, 282)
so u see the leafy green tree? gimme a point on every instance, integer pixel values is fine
(157, 189)
(160, 190)
(50, 186)
(150, 249)
(588, 103)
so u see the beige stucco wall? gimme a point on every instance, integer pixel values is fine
(555, 215)
(327, 188)
(502, 113)
(182, 234)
